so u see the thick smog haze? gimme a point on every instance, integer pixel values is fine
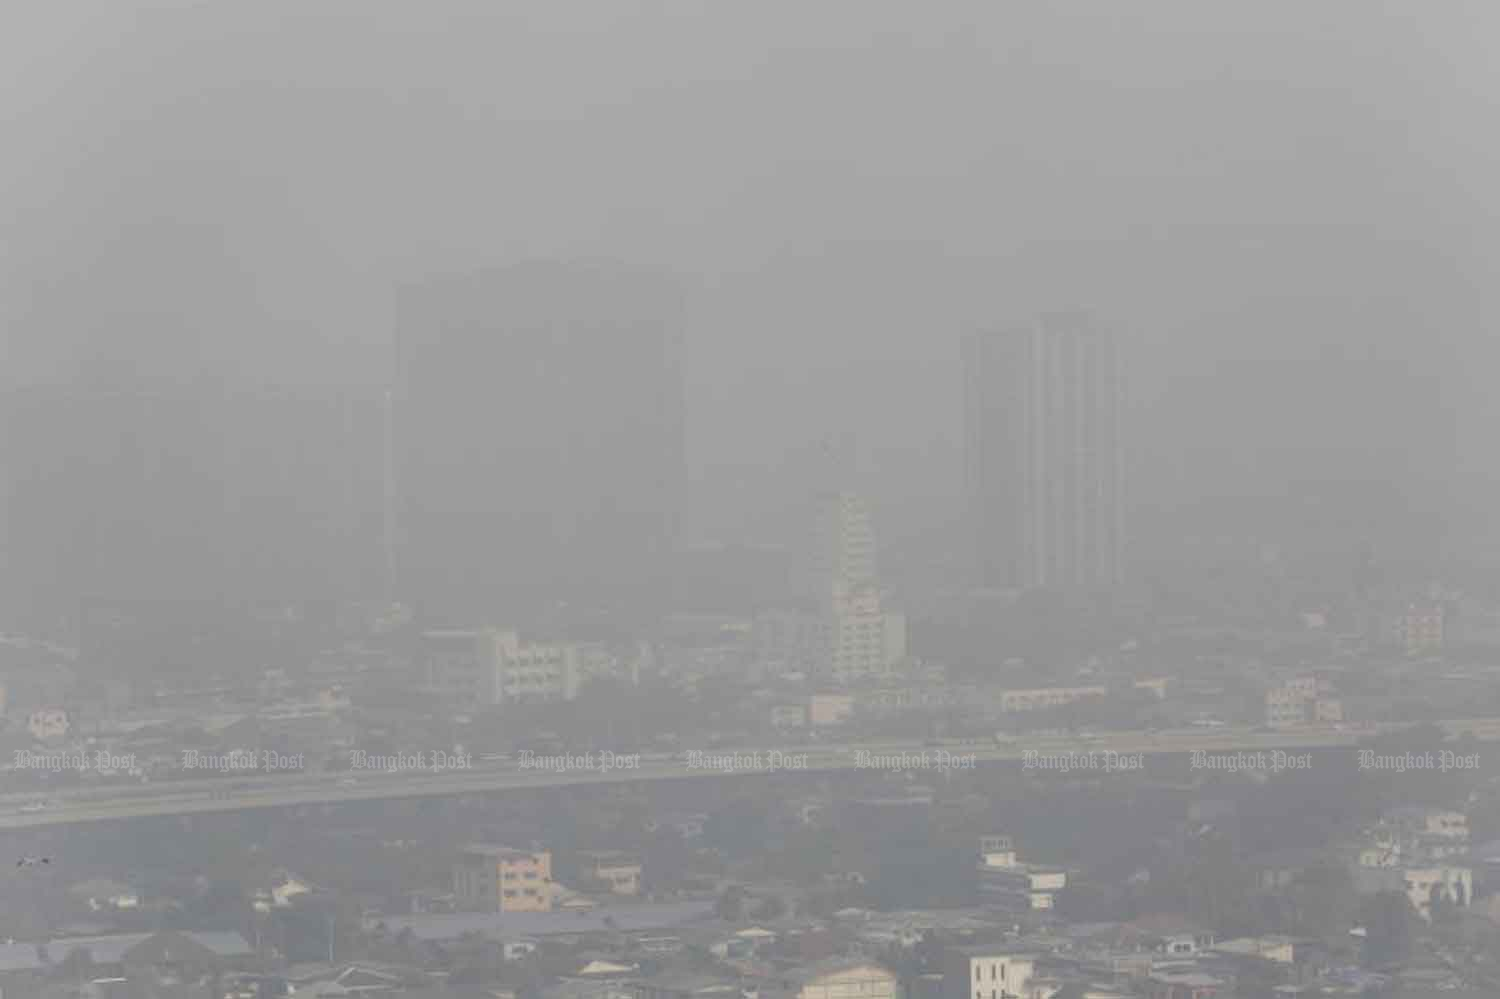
(1258, 194)
(760, 500)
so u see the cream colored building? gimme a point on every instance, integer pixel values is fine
(492, 878)
(830, 709)
(495, 666)
(48, 723)
(987, 972)
(1420, 629)
(1046, 697)
(1441, 823)
(531, 672)
(612, 870)
(843, 545)
(1156, 685)
(1301, 701)
(851, 636)
(1004, 882)
(997, 850)
(1453, 883)
(863, 640)
(842, 631)
(1430, 834)
(842, 980)
(1045, 885)
(1328, 711)
(1276, 949)
(1290, 703)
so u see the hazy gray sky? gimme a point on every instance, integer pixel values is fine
(843, 188)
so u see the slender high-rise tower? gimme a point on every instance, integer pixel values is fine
(842, 553)
(1043, 456)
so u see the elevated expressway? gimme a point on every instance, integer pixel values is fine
(101, 802)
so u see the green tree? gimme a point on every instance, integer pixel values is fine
(1207, 884)
(1390, 925)
(1258, 980)
(730, 905)
(1323, 902)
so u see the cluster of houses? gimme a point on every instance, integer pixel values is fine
(1423, 853)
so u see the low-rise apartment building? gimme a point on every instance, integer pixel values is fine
(987, 972)
(829, 709)
(488, 877)
(46, 724)
(1047, 697)
(1434, 823)
(1021, 887)
(1301, 701)
(1422, 835)
(852, 637)
(1420, 629)
(997, 850)
(495, 666)
(1438, 884)
(613, 871)
(1005, 881)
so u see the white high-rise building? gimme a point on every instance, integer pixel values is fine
(843, 631)
(843, 548)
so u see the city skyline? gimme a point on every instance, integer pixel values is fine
(666, 500)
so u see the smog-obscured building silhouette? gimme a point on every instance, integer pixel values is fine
(539, 439)
(1043, 456)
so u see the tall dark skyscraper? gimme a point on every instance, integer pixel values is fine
(539, 440)
(1043, 453)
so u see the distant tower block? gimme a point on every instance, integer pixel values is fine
(1043, 459)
